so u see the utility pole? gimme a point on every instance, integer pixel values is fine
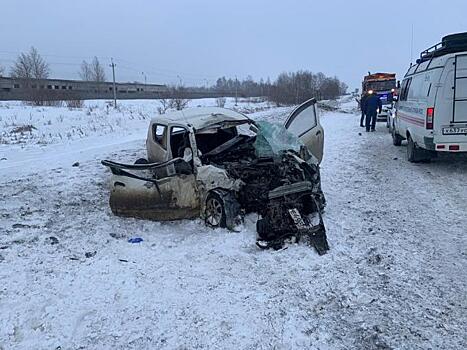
(114, 87)
(145, 78)
(236, 91)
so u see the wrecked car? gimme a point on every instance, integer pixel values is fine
(218, 164)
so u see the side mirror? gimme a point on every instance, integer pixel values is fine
(398, 84)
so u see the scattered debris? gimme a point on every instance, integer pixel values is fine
(52, 240)
(135, 240)
(90, 254)
(18, 225)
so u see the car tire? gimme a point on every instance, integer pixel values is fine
(141, 161)
(215, 211)
(396, 138)
(263, 228)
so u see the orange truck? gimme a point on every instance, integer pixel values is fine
(385, 86)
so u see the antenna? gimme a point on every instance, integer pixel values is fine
(411, 46)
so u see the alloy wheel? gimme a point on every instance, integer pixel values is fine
(213, 212)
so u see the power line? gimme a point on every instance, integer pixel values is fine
(155, 72)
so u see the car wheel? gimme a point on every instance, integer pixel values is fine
(396, 138)
(215, 211)
(263, 228)
(141, 161)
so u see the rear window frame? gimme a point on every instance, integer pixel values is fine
(163, 141)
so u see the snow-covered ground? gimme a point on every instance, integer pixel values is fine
(395, 277)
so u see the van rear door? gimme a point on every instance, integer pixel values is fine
(459, 114)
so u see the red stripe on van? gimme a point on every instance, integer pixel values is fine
(410, 119)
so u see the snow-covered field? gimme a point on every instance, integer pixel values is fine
(395, 277)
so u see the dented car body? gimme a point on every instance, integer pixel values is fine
(218, 164)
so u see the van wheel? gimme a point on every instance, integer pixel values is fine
(415, 154)
(396, 138)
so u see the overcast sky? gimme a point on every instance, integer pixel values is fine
(197, 40)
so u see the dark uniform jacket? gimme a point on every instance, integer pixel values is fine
(371, 104)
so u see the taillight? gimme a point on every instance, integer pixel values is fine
(430, 113)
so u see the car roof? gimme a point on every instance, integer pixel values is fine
(200, 117)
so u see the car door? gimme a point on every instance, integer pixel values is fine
(304, 123)
(134, 192)
(156, 143)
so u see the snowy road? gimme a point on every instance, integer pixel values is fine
(395, 277)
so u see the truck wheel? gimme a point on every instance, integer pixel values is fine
(215, 211)
(396, 138)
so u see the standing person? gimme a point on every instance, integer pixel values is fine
(362, 107)
(371, 106)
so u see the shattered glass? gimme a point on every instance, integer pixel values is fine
(273, 138)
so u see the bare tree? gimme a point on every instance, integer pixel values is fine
(97, 70)
(85, 72)
(179, 98)
(30, 65)
(93, 71)
(2, 70)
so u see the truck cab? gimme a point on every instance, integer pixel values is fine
(383, 85)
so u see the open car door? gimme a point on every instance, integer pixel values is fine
(137, 192)
(303, 122)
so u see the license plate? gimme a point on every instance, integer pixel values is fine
(455, 131)
(298, 220)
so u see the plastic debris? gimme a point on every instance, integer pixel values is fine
(135, 240)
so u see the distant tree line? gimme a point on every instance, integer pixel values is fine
(289, 87)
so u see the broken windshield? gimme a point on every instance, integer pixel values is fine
(273, 138)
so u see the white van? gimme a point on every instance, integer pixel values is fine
(431, 113)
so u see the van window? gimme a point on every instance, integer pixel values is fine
(159, 134)
(405, 89)
(412, 69)
(419, 86)
(415, 88)
(423, 66)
